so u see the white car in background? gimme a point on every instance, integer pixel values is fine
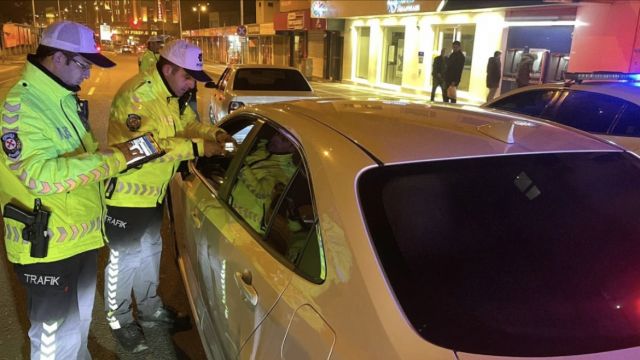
(241, 85)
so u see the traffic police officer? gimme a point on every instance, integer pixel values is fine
(149, 58)
(50, 154)
(148, 102)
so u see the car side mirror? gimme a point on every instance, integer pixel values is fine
(211, 85)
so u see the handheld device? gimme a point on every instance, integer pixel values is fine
(143, 149)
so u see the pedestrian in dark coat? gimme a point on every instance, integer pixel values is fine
(494, 73)
(437, 76)
(525, 68)
(453, 73)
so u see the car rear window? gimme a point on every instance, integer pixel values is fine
(522, 255)
(270, 80)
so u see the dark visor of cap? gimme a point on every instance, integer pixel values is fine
(198, 75)
(98, 59)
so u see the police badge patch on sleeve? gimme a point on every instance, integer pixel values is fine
(133, 122)
(11, 145)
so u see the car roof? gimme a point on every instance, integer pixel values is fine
(629, 91)
(395, 132)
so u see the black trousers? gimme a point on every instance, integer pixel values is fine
(435, 84)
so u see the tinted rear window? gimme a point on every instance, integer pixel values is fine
(532, 255)
(270, 80)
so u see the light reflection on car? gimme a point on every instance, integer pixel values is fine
(370, 230)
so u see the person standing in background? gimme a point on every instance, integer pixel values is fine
(455, 64)
(525, 67)
(150, 56)
(494, 74)
(437, 76)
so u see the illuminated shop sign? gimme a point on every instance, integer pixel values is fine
(402, 6)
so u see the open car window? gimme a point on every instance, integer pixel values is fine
(216, 169)
(271, 193)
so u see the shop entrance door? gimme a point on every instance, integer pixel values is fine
(447, 34)
(393, 55)
(333, 53)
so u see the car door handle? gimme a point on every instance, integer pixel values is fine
(195, 217)
(244, 280)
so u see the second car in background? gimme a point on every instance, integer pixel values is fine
(603, 103)
(241, 85)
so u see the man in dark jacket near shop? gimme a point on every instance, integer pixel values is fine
(494, 73)
(437, 76)
(455, 64)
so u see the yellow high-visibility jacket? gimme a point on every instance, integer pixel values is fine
(48, 153)
(144, 104)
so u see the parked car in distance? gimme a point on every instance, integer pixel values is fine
(380, 230)
(126, 49)
(602, 103)
(241, 85)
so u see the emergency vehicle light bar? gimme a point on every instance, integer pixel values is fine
(602, 76)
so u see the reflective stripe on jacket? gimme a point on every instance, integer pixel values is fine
(145, 97)
(57, 162)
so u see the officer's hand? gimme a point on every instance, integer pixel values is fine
(213, 148)
(222, 137)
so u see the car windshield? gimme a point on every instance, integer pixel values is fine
(521, 255)
(270, 80)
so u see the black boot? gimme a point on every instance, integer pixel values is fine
(167, 319)
(131, 338)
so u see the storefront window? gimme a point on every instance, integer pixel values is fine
(362, 57)
(447, 34)
(393, 55)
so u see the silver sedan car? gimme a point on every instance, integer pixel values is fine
(379, 230)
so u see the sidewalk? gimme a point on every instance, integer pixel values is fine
(217, 69)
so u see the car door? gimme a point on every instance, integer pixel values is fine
(196, 197)
(588, 111)
(240, 276)
(217, 109)
(626, 130)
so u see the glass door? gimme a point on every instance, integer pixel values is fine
(393, 54)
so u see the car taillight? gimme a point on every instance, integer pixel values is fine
(235, 105)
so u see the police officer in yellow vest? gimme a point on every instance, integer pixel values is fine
(149, 58)
(148, 102)
(50, 156)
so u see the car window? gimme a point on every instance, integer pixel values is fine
(264, 174)
(533, 103)
(587, 111)
(270, 80)
(215, 168)
(222, 82)
(528, 259)
(292, 231)
(271, 193)
(629, 122)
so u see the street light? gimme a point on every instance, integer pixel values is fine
(200, 8)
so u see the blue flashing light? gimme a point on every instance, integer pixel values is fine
(602, 76)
